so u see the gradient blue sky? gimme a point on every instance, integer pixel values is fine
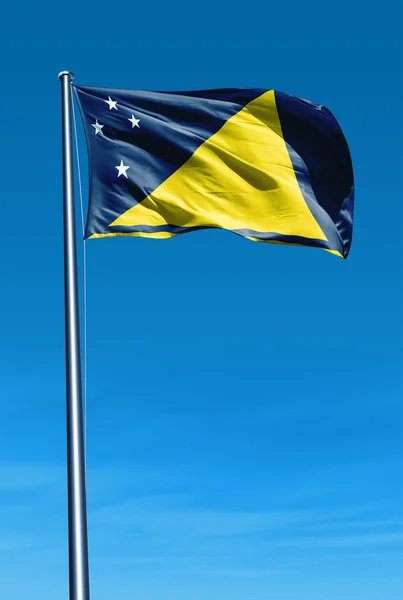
(244, 400)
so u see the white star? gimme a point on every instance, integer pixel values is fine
(135, 122)
(122, 169)
(111, 103)
(97, 127)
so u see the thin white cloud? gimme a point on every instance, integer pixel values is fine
(17, 543)
(226, 573)
(153, 517)
(17, 477)
(345, 541)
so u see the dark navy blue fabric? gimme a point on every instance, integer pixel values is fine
(172, 126)
(269, 236)
(322, 164)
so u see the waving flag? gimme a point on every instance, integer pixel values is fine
(259, 163)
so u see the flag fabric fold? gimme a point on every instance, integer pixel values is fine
(259, 163)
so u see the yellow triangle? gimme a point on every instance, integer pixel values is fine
(240, 178)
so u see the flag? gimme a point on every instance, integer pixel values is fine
(259, 163)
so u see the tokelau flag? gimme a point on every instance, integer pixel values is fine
(259, 163)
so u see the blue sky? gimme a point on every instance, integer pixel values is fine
(244, 407)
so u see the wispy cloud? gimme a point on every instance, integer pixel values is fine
(20, 477)
(226, 573)
(174, 532)
(345, 541)
(17, 543)
(157, 525)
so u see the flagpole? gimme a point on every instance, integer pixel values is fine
(77, 511)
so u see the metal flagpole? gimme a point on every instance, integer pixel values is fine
(78, 543)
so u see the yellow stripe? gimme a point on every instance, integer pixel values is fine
(165, 235)
(240, 178)
(335, 252)
(157, 235)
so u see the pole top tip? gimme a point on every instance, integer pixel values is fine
(68, 73)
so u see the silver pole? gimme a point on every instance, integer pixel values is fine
(78, 544)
